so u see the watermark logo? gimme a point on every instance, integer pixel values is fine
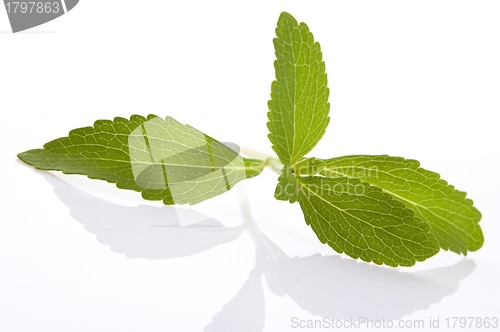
(182, 162)
(25, 15)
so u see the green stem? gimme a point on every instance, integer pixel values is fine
(272, 162)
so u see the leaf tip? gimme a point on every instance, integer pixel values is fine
(26, 157)
(286, 16)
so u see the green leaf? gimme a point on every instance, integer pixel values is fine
(161, 158)
(309, 166)
(453, 217)
(288, 186)
(298, 109)
(360, 220)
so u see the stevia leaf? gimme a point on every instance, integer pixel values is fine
(454, 219)
(298, 109)
(288, 186)
(309, 166)
(161, 158)
(360, 220)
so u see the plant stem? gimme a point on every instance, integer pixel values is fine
(274, 164)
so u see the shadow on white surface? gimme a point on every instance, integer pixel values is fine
(326, 286)
(144, 231)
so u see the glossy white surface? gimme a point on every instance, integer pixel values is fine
(418, 80)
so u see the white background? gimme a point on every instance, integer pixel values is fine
(418, 79)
